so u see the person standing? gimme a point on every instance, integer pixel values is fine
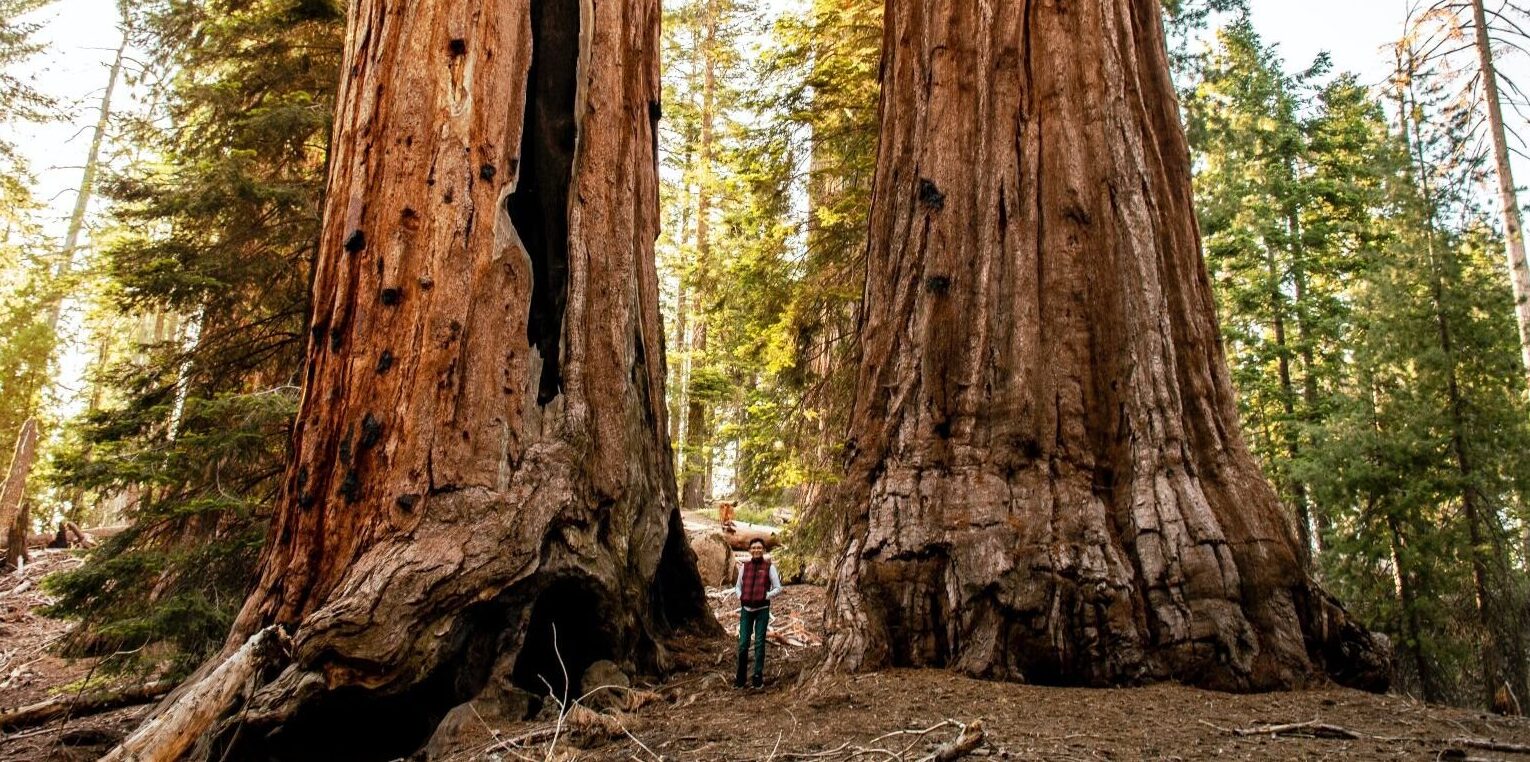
(757, 583)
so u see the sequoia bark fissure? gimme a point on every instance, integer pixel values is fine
(1046, 479)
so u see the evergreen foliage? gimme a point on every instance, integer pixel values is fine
(1373, 344)
(208, 260)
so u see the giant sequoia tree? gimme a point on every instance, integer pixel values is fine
(1047, 481)
(481, 483)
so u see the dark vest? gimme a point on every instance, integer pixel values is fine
(756, 583)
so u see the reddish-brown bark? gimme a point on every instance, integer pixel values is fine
(1047, 478)
(480, 458)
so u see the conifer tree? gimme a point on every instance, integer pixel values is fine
(208, 260)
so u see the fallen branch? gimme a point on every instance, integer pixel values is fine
(1486, 745)
(47, 711)
(970, 738)
(1309, 729)
(174, 728)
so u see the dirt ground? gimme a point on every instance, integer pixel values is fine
(31, 672)
(696, 714)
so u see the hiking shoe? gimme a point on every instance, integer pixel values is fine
(759, 682)
(738, 684)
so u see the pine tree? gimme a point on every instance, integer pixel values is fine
(207, 261)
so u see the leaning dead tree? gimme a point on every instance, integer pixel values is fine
(481, 494)
(1047, 480)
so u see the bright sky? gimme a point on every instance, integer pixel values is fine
(1352, 31)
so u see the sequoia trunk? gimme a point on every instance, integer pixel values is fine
(481, 484)
(1047, 480)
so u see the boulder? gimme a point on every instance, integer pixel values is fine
(714, 558)
(472, 725)
(605, 686)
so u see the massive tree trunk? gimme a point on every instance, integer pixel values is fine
(481, 483)
(1047, 480)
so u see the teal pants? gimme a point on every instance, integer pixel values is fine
(752, 623)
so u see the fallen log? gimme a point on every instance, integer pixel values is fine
(739, 535)
(79, 706)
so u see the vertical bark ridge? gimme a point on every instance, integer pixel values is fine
(1046, 480)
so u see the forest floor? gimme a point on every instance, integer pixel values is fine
(696, 714)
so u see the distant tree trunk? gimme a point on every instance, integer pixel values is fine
(1047, 481)
(1519, 271)
(1410, 623)
(481, 485)
(13, 492)
(16, 537)
(696, 475)
(1502, 651)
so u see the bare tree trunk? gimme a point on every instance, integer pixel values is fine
(1519, 272)
(696, 482)
(13, 491)
(1047, 481)
(1411, 624)
(480, 494)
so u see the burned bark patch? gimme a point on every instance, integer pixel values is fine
(930, 195)
(539, 206)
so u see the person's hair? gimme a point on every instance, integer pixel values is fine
(756, 540)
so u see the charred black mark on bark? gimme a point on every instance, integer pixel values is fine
(539, 206)
(486, 172)
(345, 449)
(655, 113)
(300, 487)
(355, 242)
(426, 284)
(407, 502)
(937, 284)
(350, 486)
(336, 339)
(384, 362)
(392, 296)
(371, 431)
(930, 196)
(457, 47)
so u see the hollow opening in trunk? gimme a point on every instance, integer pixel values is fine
(565, 635)
(353, 723)
(675, 595)
(539, 206)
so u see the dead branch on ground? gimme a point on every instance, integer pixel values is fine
(51, 709)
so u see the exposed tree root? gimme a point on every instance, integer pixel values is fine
(188, 716)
